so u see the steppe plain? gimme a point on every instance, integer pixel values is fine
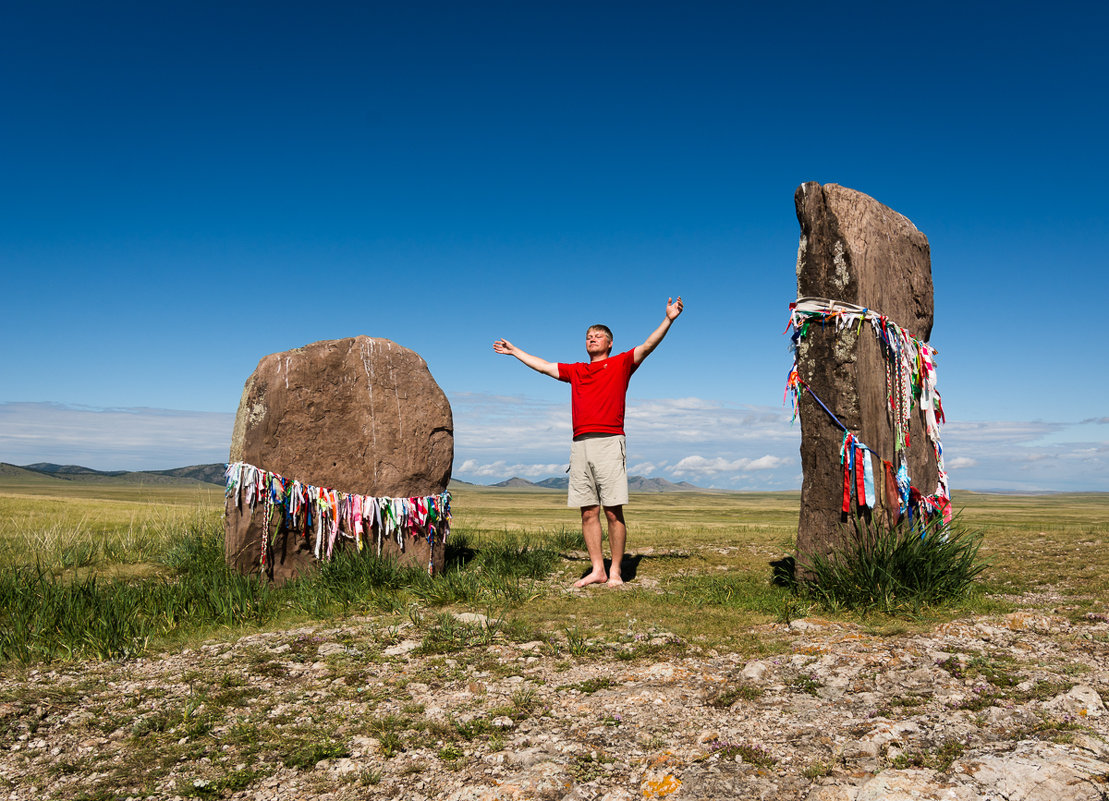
(699, 679)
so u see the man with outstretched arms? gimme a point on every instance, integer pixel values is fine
(598, 457)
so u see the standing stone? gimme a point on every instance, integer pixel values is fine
(359, 415)
(854, 249)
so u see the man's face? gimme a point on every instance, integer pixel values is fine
(597, 343)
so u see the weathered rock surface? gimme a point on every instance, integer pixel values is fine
(985, 708)
(359, 415)
(854, 249)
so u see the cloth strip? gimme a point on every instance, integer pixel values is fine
(328, 513)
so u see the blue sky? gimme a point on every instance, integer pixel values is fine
(191, 186)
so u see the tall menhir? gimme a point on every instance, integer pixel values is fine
(860, 260)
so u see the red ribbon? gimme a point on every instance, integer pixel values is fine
(860, 486)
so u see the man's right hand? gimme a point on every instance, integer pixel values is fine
(534, 362)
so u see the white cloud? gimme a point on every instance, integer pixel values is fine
(1025, 456)
(700, 465)
(472, 469)
(985, 432)
(496, 437)
(112, 439)
(767, 462)
(717, 443)
(491, 424)
(959, 462)
(510, 435)
(696, 420)
(1089, 454)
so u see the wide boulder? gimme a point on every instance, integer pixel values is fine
(856, 250)
(358, 415)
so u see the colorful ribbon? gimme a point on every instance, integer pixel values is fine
(328, 514)
(910, 381)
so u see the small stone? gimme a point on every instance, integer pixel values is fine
(754, 671)
(344, 766)
(617, 795)
(329, 648)
(1081, 701)
(805, 624)
(402, 647)
(364, 746)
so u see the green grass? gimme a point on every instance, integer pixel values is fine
(108, 571)
(895, 570)
(938, 758)
(749, 752)
(95, 570)
(590, 686)
(44, 616)
(78, 536)
(740, 692)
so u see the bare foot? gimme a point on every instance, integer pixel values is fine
(592, 578)
(615, 581)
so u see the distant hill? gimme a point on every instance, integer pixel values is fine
(203, 473)
(635, 484)
(213, 474)
(10, 471)
(641, 484)
(208, 473)
(515, 482)
(69, 470)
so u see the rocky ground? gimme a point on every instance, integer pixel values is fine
(1009, 707)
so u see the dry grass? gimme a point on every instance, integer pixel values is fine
(699, 561)
(701, 581)
(1048, 545)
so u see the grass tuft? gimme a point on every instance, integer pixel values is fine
(45, 616)
(895, 570)
(748, 752)
(730, 695)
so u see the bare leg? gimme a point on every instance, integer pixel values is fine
(617, 537)
(591, 530)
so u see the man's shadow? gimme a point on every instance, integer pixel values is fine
(629, 565)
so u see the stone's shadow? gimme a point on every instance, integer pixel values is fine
(457, 556)
(783, 572)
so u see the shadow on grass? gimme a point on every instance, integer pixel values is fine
(458, 555)
(629, 566)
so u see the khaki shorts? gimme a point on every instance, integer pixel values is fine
(598, 471)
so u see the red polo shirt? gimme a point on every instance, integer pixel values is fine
(598, 391)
